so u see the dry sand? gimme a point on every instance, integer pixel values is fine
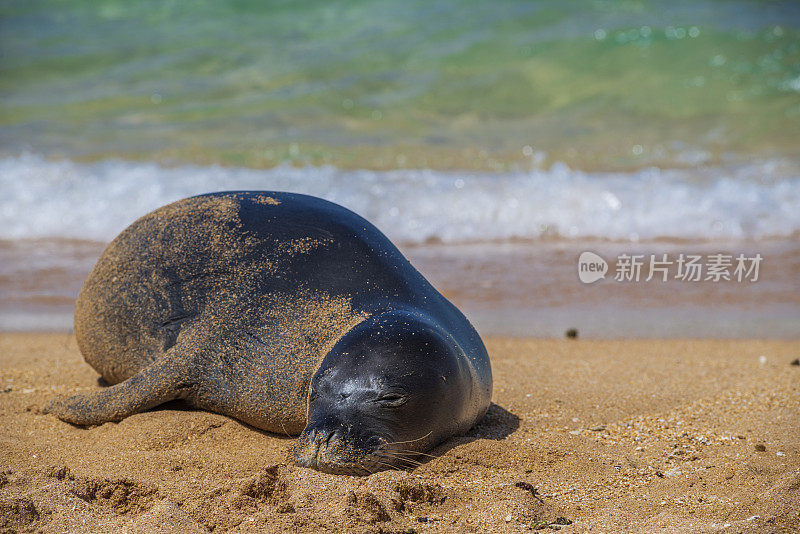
(610, 436)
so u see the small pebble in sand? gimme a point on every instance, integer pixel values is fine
(762, 360)
(780, 454)
(672, 473)
(508, 518)
(796, 361)
(760, 447)
(571, 333)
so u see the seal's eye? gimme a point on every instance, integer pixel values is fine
(391, 399)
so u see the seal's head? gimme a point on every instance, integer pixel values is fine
(393, 387)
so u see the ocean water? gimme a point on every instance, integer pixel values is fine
(494, 141)
(503, 246)
(427, 84)
(752, 201)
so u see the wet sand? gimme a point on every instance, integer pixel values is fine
(609, 436)
(514, 289)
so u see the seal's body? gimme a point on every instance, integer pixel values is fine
(287, 312)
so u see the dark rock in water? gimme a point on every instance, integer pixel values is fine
(572, 333)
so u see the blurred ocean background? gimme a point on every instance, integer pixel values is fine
(493, 141)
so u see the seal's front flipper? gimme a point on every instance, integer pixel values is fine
(161, 381)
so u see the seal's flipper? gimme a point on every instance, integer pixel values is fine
(164, 380)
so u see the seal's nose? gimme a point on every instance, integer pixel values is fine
(319, 443)
(323, 438)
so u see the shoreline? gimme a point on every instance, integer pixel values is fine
(614, 436)
(507, 289)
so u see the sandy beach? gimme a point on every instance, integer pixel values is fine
(625, 170)
(584, 436)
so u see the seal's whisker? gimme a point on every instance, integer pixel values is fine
(392, 466)
(415, 452)
(388, 465)
(409, 441)
(404, 455)
(405, 459)
(390, 455)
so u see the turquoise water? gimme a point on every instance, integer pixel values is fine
(448, 84)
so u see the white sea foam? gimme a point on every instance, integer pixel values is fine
(43, 198)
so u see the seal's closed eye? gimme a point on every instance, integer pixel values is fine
(391, 399)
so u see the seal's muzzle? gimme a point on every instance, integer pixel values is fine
(329, 444)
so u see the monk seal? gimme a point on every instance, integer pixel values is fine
(289, 313)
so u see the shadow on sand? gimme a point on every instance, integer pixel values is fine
(497, 424)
